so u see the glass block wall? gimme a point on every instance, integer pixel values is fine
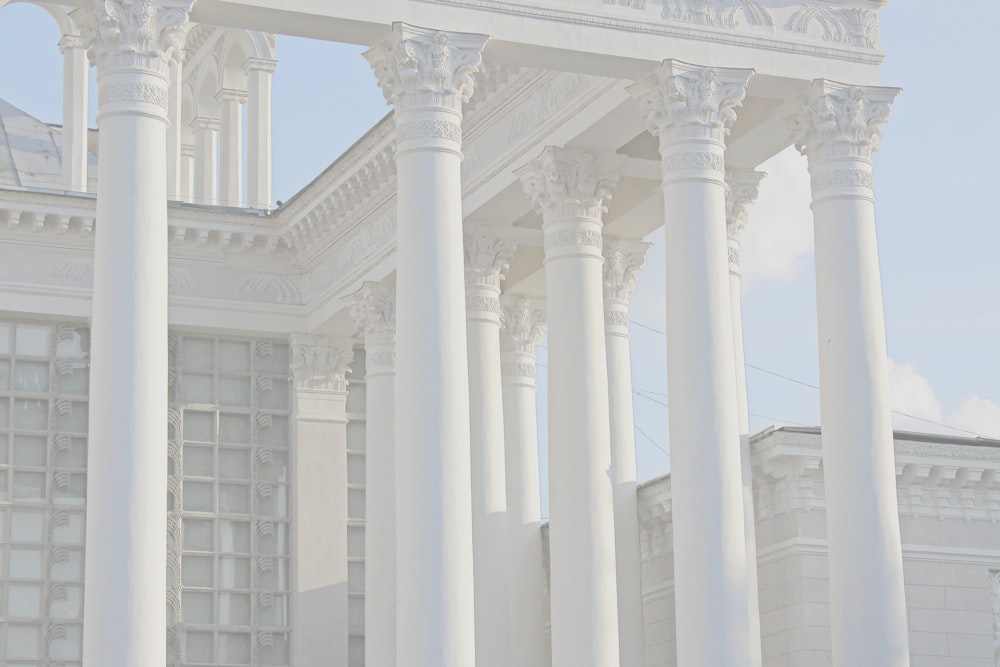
(228, 578)
(43, 454)
(356, 399)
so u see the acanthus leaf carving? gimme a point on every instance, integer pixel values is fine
(152, 29)
(487, 256)
(742, 188)
(622, 262)
(838, 121)
(567, 181)
(320, 364)
(374, 312)
(522, 321)
(853, 26)
(717, 13)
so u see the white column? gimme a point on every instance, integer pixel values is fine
(570, 189)
(427, 75)
(691, 109)
(187, 172)
(521, 335)
(125, 608)
(741, 192)
(231, 146)
(838, 127)
(206, 161)
(319, 371)
(259, 73)
(374, 312)
(76, 81)
(622, 262)
(487, 258)
(174, 131)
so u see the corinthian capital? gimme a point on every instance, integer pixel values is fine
(523, 320)
(417, 67)
(374, 312)
(320, 364)
(136, 33)
(622, 262)
(835, 120)
(566, 182)
(683, 101)
(487, 257)
(742, 187)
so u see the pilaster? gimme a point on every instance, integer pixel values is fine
(319, 373)
(76, 81)
(231, 146)
(206, 162)
(374, 313)
(570, 188)
(259, 73)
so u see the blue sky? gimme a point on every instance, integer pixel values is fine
(937, 184)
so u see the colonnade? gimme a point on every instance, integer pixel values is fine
(451, 372)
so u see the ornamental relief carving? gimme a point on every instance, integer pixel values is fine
(145, 28)
(717, 13)
(858, 178)
(429, 129)
(521, 325)
(565, 178)
(132, 91)
(833, 121)
(374, 312)
(520, 369)
(320, 364)
(622, 262)
(842, 25)
(742, 188)
(689, 160)
(482, 304)
(576, 238)
(616, 318)
(269, 288)
(487, 257)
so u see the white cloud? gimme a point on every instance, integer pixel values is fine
(779, 233)
(914, 395)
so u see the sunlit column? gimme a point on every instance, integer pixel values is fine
(319, 372)
(259, 73)
(206, 162)
(570, 188)
(622, 262)
(520, 337)
(231, 146)
(76, 81)
(374, 312)
(125, 605)
(741, 192)
(838, 128)
(690, 109)
(427, 75)
(487, 257)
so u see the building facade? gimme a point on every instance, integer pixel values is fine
(319, 420)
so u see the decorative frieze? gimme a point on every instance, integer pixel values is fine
(564, 182)
(838, 121)
(320, 364)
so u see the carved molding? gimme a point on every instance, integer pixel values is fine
(487, 257)
(136, 33)
(420, 67)
(320, 364)
(568, 182)
(572, 238)
(838, 121)
(429, 129)
(132, 91)
(522, 322)
(851, 26)
(679, 100)
(839, 178)
(742, 188)
(622, 262)
(374, 312)
(728, 14)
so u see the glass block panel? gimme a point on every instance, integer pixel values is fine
(196, 607)
(199, 426)
(355, 469)
(234, 463)
(272, 538)
(24, 600)
(25, 563)
(4, 491)
(70, 646)
(69, 531)
(355, 577)
(4, 449)
(234, 428)
(198, 354)
(27, 526)
(276, 652)
(4, 375)
(273, 466)
(276, 398)
(234, 536)
(32, 340)
(197, 534)
(272, 609)
(5, 338)
(30, 450)
(355, 542)
(234, 498)
(70, 343)
(355, 652)
(69, 488)
(24, 641)
(67, 568)
(235, 391)
(271, 358)
(356, 615)
(234, 356)
(31, 376)
(199, 461)
(199, 497)
(234, 572)
(234, 608)
(356, 504)
(358, 365)
(31, 414)
(68, 604)
(27, 486)
(4, 413)
(356, 435)
(274, 577)
(76, 381)
(71, 416)
(199, 647)
(196, 571)
(196, 388)
(76, 456)
(234, 648)
(356, 398)
(276, 435)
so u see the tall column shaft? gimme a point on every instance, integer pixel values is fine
(570, 190)
(690, 109)
(427, 75)
(522, 322)
(206, 162)
(319, 368)
(487, 258)
(622, 261)
(125, 608)
(838, 128)
(174, 131)
(231, 147)
(259, 73)
(374, 311)
(76, 81)
(742, 191)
